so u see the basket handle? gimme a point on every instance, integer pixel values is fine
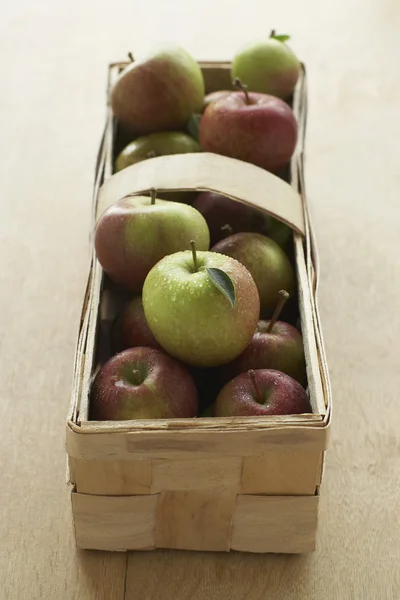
(204, 171)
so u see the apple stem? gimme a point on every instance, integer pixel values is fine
(136, 376)
(131, 57)
(273, 32)
(153, 195)
(227, 229)
(242, 87)
(284, 297)
(252, 375)
(151, 154)
(193, 246)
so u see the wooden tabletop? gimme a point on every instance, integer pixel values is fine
(53, 59)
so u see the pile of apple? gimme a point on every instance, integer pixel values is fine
(201, 322)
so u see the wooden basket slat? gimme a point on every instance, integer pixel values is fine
(275, 473)
(216, 473)
(282, 473)
(204, 423)
(114, 523)
(195, 520)
(275, 524)
(111, 477)
(182, 444)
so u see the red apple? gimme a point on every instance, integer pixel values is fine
(142, 383)
(213, 96)
(225, 216)
(261, 393)
(280, 349)
(158, 91)
(252, 127)
(134, 233)
(275, 345)
(130, 328)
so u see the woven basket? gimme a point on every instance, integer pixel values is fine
(249, 484)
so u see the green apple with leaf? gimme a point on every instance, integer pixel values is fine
(268, 66)
(201, 307)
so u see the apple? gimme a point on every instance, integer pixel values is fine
(261, 393)
(130, 328)
(275, 345)
(158, 92)
(133, 234)
(155, 144)
(201, 307)
(252, 127)
(213, 96)
(225, 217)
(209, 383)
(268, 66)
(159, 144)
(142, 383)
(207, 412)
(267, 263)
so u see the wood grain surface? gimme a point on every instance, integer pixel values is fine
(53, 59)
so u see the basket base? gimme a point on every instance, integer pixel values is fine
(196, 520)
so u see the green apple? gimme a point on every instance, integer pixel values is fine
(159, 144)
(155, 144)
(201, 307)
(267, 263)
(158, 92)
(267, 66)
(133, 234)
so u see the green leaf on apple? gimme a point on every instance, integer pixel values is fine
(223, 283)
(192, 126)
(280, 37)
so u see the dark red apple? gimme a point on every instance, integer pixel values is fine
(142, 383)
(275, 345)
(225, 216)
(260, 393)
(252, 127)
(130, 328)
(209, 383)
